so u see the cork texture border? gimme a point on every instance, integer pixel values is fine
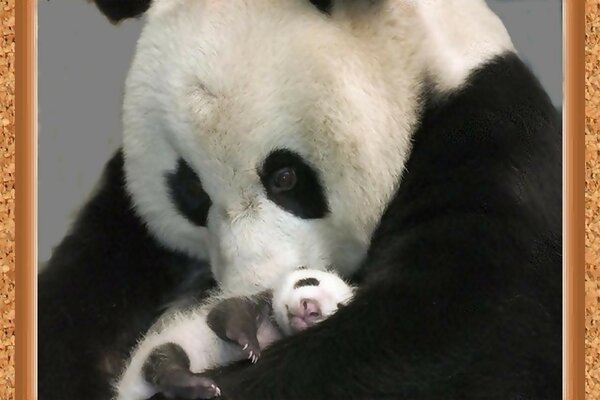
(7, 201)
(592, 199)
(17, 379)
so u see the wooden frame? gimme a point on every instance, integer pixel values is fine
(573, 200)
(574, 29)
(25, 124)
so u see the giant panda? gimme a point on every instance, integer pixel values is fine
(403, 143)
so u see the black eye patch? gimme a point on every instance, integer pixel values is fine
(306, 282)
(306, 199)
(187, 193)
(323, 5)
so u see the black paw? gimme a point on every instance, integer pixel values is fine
(251, 348)
(193, 386)
(168, 369)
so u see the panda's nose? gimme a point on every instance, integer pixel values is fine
(310, 308)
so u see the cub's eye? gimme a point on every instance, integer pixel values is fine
(284, 180)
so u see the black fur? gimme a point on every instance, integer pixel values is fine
(117, 10)
(462, 294)
(306, 282)
(237, 319)
(168, 370)
(188, 194)
(104, 285)
(307, 198)
(323, 5)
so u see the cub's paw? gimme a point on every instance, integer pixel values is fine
(191, 386)
(167, 368)
(252, 350)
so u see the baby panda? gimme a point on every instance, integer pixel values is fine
(172, 356)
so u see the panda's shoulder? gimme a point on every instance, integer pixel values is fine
(494, 143)
(499, 114)
(108, 235)
(503, 84)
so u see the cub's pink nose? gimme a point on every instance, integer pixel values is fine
(305, 314)
(310, 309)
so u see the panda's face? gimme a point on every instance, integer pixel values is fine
(266, 135)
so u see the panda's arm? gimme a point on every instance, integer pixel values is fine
(439, 324)
(463, 291)
(411, 334)
(102, 288)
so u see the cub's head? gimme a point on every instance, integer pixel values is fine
(269, 134)
(306, 297)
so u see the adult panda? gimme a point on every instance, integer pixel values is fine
(401, 141)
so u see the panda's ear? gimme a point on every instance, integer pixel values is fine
(118, 10)
(323, 5)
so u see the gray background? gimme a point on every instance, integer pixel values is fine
(83, 60)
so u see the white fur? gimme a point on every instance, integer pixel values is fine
(223, 83)
(190, 331)
(205, 349)
(453, 36)
(460, 35)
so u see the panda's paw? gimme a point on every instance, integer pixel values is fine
(193, 386)
(167, 369)
(251, 349)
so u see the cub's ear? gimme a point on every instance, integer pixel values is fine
(117, 10)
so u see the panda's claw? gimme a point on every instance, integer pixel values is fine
(217, 391)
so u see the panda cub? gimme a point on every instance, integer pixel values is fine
(184, 343)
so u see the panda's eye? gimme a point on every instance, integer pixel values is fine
(284, 180)
(292, 184)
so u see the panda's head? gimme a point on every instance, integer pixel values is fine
(271, 134)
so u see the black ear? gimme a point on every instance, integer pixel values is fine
(323, 5)
(117, 10)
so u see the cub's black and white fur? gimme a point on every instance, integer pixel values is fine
(184, 343)
(402, 141)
